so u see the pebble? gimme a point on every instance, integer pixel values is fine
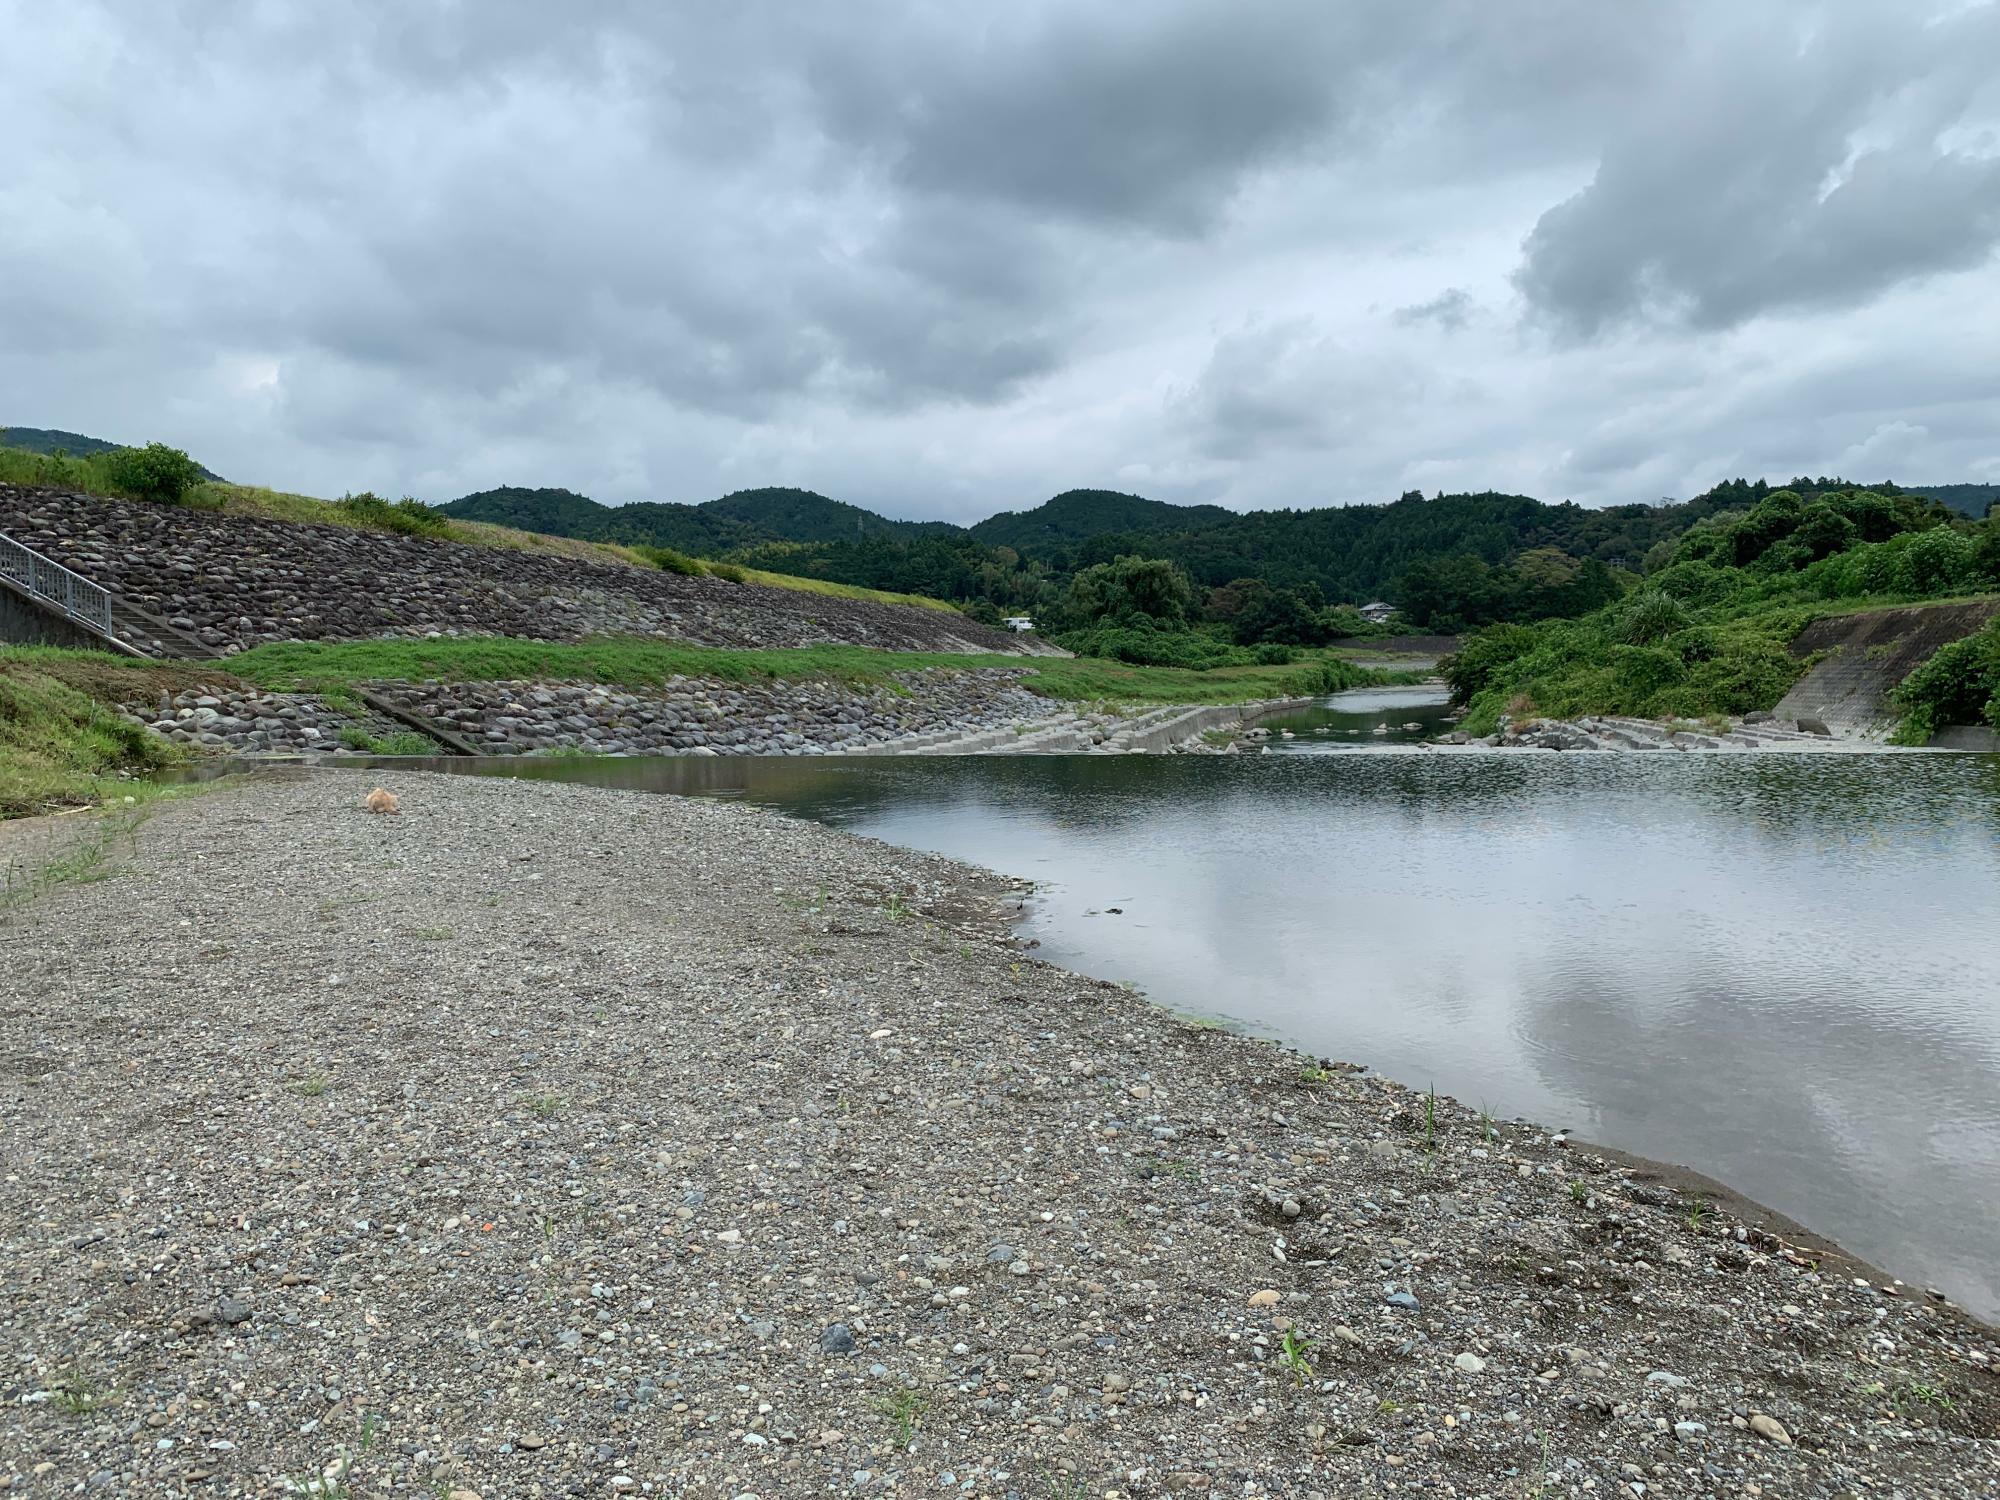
(1770, 1428)
(708, 1042)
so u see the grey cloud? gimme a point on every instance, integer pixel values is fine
(1144, 117)
(1287, 385)
(1450, 310)
(1761, 174)
(943, 257)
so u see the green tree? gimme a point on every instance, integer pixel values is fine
(154, 472)
(1128, 590)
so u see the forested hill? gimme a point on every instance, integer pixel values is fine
(1075, 516)
(1348, 552)
(1967, 499)
(747, 518)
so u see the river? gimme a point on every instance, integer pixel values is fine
(1781, 970)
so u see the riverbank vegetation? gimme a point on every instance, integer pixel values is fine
(63, 742)
(60, 745)
(1960, 684)
(1710, 627)
(314, 665)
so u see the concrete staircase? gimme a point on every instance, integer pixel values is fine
(64, 607)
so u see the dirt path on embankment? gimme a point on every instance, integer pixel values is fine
(540, 1140)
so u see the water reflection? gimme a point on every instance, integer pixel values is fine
(1781, 970)
(1365, 718)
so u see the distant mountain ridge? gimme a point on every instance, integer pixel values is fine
(746, 518)
(1974, 500)
(1013, 560)
(1076, 516)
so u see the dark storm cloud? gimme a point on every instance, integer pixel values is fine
(931, 255)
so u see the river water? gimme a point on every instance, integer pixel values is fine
(1781, 970)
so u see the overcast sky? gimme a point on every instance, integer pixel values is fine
(948, 258)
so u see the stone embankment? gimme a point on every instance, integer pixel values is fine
(933, 712)
(541, 1141)
(695, 716)
(230, 582)
(226, 720)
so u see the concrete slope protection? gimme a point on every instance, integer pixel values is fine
(1866, 656)
(222, 583)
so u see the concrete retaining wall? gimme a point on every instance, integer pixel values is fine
(24, 622)
(1868, 655)
(1966, 737)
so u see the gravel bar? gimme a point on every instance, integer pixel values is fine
(540, 1140)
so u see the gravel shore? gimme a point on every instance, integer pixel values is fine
(540, 1141)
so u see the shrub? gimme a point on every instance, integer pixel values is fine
(1938, 561)
(1470, 669)
(1145, 647)
(407, 517)
(1330, 674)
(728, 572)
(1986, 551)
(1960, 684)
(669, 561)
(1641, 673)
(1650, 616)
(154, 472)
(1695, 583)
(1274, 654)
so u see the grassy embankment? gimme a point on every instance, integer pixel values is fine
(60, 744)
(638, 664)
(1711, 632)
(93, 476)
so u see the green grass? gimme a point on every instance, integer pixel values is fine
(78, 1395)
(59, 746)
(317, 665)
(1295, 1351)
(903, 1409)
(842, 590)
(403, 742)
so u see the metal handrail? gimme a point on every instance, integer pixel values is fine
(72, 593)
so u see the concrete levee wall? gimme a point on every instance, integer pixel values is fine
(1867, 655)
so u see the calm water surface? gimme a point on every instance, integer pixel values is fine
(1781, 970)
